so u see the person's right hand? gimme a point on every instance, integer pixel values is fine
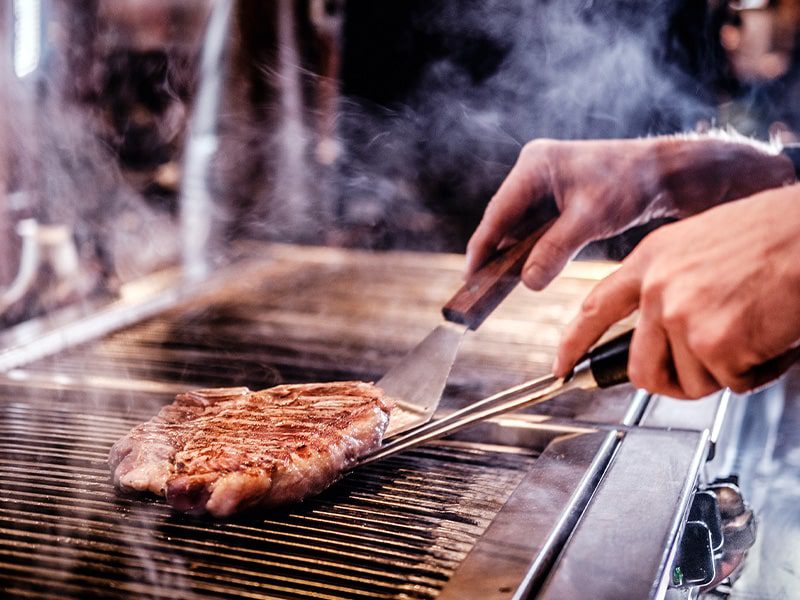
(603, 187)
(718, 297)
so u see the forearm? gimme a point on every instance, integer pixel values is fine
(696, 173)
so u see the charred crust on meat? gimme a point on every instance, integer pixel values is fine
(225, 450)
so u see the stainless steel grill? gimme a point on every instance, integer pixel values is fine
(508, 509)
(394, 530)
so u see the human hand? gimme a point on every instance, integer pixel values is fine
(603, 187)
(718, 295)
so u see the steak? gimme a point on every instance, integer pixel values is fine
(225, 450)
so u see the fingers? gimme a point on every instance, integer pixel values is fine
(614, 298)
(484, 241)
(525, 185)
(553, 250)
(663, 364)
(694, 379)
(650, 365)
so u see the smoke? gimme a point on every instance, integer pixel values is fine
(470, 82)
(505, 72)
(62, 169)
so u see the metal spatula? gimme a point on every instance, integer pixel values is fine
(416, 383)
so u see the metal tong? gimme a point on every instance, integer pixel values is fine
(603, 367)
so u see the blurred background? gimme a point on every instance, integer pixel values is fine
(352, 123)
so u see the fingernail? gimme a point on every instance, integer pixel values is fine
(556, 366)
(533, 277)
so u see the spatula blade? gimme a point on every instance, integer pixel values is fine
(417, 381)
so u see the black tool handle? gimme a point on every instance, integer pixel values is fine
(609, 361)
(490, 285)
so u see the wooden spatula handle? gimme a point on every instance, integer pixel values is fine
(489, 286)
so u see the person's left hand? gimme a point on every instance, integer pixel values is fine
(719, 296)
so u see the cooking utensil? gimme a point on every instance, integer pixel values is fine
(603, 367)
(416, 383)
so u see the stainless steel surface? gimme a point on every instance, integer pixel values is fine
(624, 544)
(551, 499)
(197, 203)
(698, 414)
(707, 413)
(767, 434)
(28, 265)
(417, 381)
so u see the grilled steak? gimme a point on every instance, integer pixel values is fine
(229, 449)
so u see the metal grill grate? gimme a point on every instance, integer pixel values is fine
(394, 530)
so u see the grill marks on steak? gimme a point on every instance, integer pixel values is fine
(225, 450)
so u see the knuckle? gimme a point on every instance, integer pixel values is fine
(533, 147)
(705, 344)
(674, 316)
(750, 355)
(529, 152)
(738, 380)
(652, 290)
(549, 247)
(585, 217)
(646, 375)
(590, 304)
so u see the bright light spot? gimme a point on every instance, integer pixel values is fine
(27, 36)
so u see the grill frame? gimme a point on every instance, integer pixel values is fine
(561, 488)
(557, 510)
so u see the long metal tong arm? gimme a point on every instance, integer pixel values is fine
(604, 366)
(524, 395)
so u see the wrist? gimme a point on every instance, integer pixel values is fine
(696, 173)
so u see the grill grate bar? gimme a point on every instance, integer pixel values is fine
(100, 493)
(160, 590)
(65, 442)
(125, 506)
(47, 413)
(33, 450)
(44, 436)
(100, 489)
(108, 554)
(33, 586)
(202, 547)
(329, 547)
